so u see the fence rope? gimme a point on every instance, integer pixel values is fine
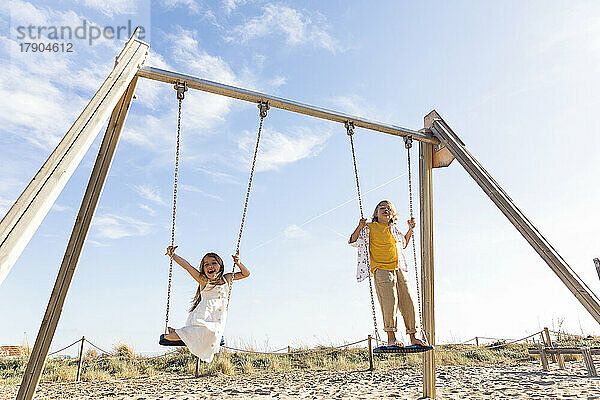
(64, 348)
(297, 352)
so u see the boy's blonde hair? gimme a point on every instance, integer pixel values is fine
(394, 216)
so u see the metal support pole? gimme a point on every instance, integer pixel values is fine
(427, 281)
(281, 103)
(80, 359)
(371, 368)
(80, 230)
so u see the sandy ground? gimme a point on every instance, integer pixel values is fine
(524, 381)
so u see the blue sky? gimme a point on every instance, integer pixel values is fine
(515, 80)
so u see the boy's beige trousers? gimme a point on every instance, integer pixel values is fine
(392, 293)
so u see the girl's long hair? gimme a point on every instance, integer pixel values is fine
(198, 295)
(394, 216)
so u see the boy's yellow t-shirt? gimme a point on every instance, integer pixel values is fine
(382, 247)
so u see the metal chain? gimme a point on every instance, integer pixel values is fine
(181, 89)
(408, 145)
(263, 107)
(350, 131)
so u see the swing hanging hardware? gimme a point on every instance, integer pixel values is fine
(349, 127)
(181, 88)
(408, 142)
(263, 106)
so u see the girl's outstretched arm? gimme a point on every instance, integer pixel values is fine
(185, 264)
(244, 272)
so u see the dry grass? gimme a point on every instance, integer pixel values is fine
(127, 365)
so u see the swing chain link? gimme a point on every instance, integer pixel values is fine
(181, 88)
(350, 131)
(263, 108)
(408, 144)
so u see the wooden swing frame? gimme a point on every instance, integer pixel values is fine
(438, 146)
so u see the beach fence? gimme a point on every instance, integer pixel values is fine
(545, 347)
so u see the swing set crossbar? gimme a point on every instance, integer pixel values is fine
(192, 82)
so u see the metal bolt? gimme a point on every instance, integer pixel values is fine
(349, 127)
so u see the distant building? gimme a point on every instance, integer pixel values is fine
(11, 351)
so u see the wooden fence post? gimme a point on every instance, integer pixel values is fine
(548, 343)
(589, 362)
(197, 369)
(80, 358)
(543, 356)
(476, 341)
(560, 358)
(371, 368)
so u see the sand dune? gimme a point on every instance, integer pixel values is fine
(522, 381)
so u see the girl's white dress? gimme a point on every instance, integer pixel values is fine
(205, 324)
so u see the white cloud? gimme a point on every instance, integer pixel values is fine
(219, 177)
(150, 193)
(231, 5)
(294, 231)
(5, 205)
(111, 226)
(57, 207)
(277, 149)
(148, 209)
(354, 105)
(195, 189)
(57, 85)
(278, 19)
(192, 5)
(111, 8)
(96, 243)
(200, 111)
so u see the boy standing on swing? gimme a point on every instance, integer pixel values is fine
(377, 243)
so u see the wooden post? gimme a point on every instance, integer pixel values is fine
(560, 358)
(197, 369)
(548, 342)
(543, 356)
(36, 361)
(476, 341)
(371, 368)
(589, 362)
(80, 358)
(289, 349)
(427, 281)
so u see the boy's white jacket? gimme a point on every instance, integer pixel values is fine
(363, 266)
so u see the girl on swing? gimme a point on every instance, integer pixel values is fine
(377, 243)
(205, 324)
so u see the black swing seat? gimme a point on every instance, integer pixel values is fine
(165, 342)
(414, 348)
